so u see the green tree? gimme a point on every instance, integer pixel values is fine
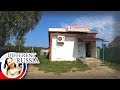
(37, 50)
(16, 24)
(10, 47)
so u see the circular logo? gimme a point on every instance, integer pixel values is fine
(10, 69)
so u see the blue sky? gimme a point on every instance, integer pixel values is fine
(101, 21)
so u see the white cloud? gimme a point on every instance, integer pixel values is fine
(103, 24)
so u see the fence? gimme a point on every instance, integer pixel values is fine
(111, 54)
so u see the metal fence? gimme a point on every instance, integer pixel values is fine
(111, 54)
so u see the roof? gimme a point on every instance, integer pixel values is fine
(89, 38)
(115, 42)
(57, 30)
(44, 48)
(65, 30)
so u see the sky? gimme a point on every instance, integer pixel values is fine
(107, 24)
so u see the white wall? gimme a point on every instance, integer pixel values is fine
(65, 52)
(69, 50)
(44, 52)
(81, 49)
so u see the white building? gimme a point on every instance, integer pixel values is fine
(72, 43)
(44, 51)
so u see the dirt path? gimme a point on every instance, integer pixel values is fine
(97, 72)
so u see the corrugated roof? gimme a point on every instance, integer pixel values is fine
(89, 38)
(115, 42)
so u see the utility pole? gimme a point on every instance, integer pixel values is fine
(103, 49)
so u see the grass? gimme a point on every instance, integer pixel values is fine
(113, 65)
(61, 66)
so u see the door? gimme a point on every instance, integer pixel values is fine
(88, 50)
(81, 49)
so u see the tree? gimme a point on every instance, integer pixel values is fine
(16, 24)
(10, 47)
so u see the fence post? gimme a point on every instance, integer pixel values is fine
(103, 51)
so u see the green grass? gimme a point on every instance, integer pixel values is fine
(113, 65)
(61, 66)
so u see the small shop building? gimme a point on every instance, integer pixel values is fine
(72, 43)
(44, 52)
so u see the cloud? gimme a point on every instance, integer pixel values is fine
(102, 23)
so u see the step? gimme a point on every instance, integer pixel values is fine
(92, 63)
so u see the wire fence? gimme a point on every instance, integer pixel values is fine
(111, 54)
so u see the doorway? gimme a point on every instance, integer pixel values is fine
(88, 50)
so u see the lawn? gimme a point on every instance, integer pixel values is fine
(113, 65)
(61, 66)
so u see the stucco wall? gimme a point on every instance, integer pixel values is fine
(81, 50)
(44, 52)
(66, 51)
(69, 50)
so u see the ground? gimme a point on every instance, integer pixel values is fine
(98, 71)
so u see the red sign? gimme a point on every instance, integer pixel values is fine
(78, 28)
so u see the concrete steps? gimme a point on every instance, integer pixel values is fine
(92, 61)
